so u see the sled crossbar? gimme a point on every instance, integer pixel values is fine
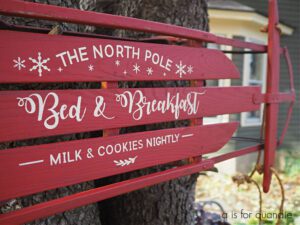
(31, 55)
(62, 14)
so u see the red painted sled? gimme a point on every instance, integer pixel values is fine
(30, 55)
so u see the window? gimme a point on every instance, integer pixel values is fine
(218, 83)
(254, 74)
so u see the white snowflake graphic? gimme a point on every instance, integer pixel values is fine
(180, 69)
(136, 68)
(149, 71)
(39, 64)
(19, 63)
(164, 74)
(60, 69)
(91, 68)
(190, 69)
(125, 72)
(117, 63)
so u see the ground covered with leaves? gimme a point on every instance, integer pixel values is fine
(241, 204)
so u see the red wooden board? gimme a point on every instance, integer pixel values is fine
(29, 114)
(94, 195)
(31, 57)
(32, 169)
(50, 12)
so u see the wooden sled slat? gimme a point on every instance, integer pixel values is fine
(30, 114)
(78, 59)
(63, 14)
(50, 166)
(69, 202)
(87, 197)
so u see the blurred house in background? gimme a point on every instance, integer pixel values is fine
(244, 20)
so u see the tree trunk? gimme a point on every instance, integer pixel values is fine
(169, 203)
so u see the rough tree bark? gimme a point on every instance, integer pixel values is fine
(169, 203)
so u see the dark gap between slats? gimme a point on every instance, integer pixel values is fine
(91, 85)
(90, 134)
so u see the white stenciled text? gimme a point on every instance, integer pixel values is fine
(50, 110)
(139, 105)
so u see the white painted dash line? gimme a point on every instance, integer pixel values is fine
(187, 135)
(31, 162)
